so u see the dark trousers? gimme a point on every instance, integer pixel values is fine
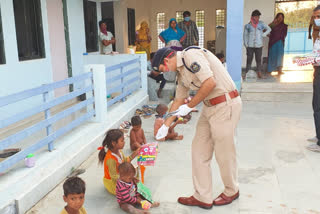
(258, 54)
(316, 100)
(159, 78)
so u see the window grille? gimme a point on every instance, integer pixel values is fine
(160, 27)
(200, 25)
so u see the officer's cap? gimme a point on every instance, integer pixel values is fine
(256, 13)
(159, 56)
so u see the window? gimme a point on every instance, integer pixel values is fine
(131, 26)
(179, 16)
(200, 25)
(28, 20)
(90, 24)
(2, 56)
(220, 17)
(160, 27)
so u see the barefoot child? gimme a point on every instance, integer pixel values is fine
(162, 109)
(126, 190)
(74, 189)
(111, 156)
(137, 137)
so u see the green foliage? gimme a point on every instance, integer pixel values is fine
(299, 17)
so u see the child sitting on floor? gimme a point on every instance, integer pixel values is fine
(111, 156)
(74, 189)
(126, 190)
(137, 137)
(161, 110)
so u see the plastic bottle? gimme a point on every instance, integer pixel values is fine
(251, 76)
(30, 160)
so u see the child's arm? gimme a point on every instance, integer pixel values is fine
(144, 137)
(112, 166)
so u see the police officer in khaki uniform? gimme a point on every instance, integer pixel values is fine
(199, 70)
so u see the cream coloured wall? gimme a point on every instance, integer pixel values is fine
(57, 43)
(169, 7)
(147, 10)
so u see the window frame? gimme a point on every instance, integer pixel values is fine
(2, 49)
(179, 16)
(159, 28)
(201, 30)
(131, 26)
(91, 26)
(32, 46)
(221, 17)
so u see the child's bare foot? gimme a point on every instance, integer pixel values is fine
(155, 204)
(180, 137)
(162, 139)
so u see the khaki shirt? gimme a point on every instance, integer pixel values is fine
(203, 65)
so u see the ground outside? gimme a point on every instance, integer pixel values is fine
(276, 172)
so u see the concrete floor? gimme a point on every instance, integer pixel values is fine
(276, 173)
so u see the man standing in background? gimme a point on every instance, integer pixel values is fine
(253, 35)
(191, 30)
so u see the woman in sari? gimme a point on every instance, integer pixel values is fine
(143, 39)
(276, 44)
(173, 36)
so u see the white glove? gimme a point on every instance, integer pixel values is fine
(183, 110)
(162, 132)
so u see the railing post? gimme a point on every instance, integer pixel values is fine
(47, 115)
(100, 91)
(143, 72)
(122, 88)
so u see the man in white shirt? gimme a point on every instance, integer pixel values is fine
(106, 39)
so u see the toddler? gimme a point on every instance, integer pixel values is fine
(161, 110)
(137, 137)
(126, 190)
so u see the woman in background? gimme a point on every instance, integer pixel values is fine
(143, 39)
(173, 36)
(276, 44)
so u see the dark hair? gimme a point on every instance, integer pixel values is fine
(113, 135)
(126, 168)
(186, 13)
(317, 8)
(101, 22)
(220, 55)
(280, 14)
(152, 55)
(74, 185)
(256, 13)
(136, 121)
(159, 108)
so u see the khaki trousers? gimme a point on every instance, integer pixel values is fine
(215, 133)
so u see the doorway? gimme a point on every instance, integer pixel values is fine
(297, 17)
(107, 14)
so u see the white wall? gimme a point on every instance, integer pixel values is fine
(267, 8)
(21, 75)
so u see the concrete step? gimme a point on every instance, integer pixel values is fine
(277, 92)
